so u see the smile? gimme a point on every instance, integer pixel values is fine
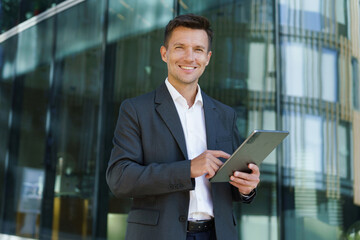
(187, 68)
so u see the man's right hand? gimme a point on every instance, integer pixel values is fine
(207, 163)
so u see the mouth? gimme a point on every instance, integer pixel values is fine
(187, 67)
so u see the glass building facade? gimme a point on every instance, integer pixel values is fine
(66, 66)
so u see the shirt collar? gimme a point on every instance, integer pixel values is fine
(177, 97)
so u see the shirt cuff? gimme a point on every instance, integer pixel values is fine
(246, 197)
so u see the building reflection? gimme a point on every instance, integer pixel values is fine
(63, 79)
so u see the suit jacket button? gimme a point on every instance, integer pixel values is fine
(182, 218)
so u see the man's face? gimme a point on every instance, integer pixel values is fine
(186, 56)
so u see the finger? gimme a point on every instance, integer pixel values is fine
(252, 175)
(254, 168)
(209, 158)
(215, 167)
(247, 176)
(252, 181)
(216, 161)
(210, 174)
(213, 163)
(242, 189)
(212, 167)
(242, 181)
(218, 153)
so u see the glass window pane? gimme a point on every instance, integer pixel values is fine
(76, 144)
(329, 75)
(13, 13)
(78, 78)
(318, 153)
(340, 11)
(128, 18)
(34, 46)
(26, 154)
(344, 151)
(293, 68)
(79, 28)
(7, 59)
(312, 159)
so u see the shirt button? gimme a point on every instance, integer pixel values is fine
(182, 218)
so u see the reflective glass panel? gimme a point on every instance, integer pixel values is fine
(78, 80)
(26, 81)
(14, 12)
(7, 59)
(318, 95)
(316, 16)
(25, 172)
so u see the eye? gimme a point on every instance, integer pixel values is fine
(199, 50)
(178, 47)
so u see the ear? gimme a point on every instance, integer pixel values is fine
(208, 57)
(163, 53)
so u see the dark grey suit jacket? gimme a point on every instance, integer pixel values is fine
(149, 163)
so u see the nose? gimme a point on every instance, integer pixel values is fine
(189, 55)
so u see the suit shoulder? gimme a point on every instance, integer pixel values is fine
(140, 100)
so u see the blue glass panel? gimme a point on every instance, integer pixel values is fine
(131, 18)
(329, 73)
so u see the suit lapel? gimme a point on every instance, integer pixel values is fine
(167, 111)
(211, 118)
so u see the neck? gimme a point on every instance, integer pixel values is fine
(188, 91)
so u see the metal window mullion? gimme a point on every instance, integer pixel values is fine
(100, 200)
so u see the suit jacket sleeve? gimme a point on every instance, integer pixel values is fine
(127, 176)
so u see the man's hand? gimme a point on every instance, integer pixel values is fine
(207, 163)
(246, 182)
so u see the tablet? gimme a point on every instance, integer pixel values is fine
(254, 149)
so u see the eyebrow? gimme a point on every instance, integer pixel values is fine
(181, 44)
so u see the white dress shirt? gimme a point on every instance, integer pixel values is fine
(193, 124)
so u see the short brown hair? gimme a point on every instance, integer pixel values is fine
(189, 21)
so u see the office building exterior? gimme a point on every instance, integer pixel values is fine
(66, 66)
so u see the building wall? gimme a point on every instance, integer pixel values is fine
(287, 65)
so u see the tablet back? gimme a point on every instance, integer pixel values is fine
(254, 149)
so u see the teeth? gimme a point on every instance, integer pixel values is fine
(187, 68)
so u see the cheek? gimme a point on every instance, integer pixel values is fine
(173, 58)
(204, 60)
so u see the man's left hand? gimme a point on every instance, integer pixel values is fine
(246, 182)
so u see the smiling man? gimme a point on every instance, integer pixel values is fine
(168, 144)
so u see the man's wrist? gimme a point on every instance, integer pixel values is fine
(248, 196)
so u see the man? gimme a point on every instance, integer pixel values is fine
(168, 144)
